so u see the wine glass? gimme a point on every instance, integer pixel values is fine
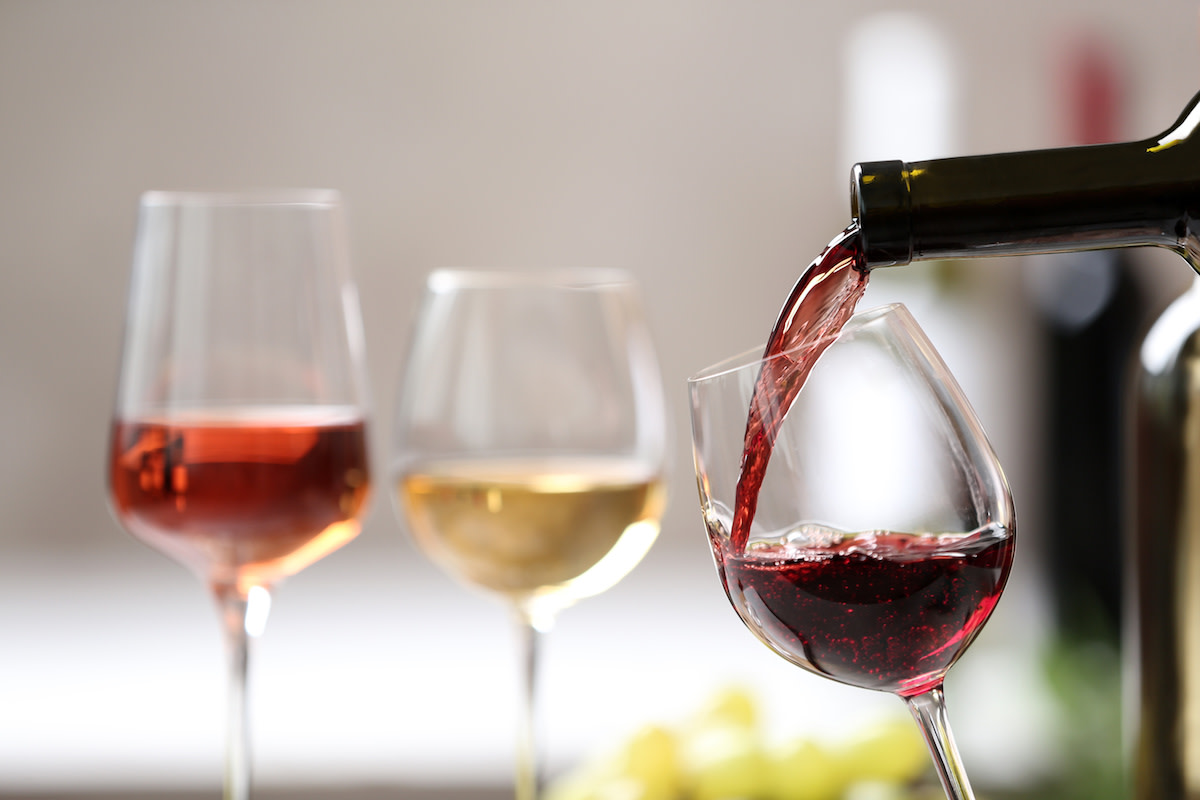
(238, 445)
(884, 528)
(530, 444)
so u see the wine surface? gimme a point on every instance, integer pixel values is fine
(820, 304)
(243, 498)
(878, 610)
(526, 527)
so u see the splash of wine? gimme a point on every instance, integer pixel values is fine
(820, 304)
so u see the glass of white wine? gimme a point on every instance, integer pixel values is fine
(529, 450)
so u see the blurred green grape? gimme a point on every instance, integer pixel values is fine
(722, 762)
(651, 757)
(732, 705)
(804, 770)
(889, 752)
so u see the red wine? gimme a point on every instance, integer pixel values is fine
(242, 498)
(820, 304)
(878, 610)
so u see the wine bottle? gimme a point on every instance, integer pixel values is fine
(1055, 200)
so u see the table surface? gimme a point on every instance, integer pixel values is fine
(112, 681)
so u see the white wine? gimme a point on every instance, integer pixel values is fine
(529, 528)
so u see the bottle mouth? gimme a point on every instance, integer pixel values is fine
(881, 204)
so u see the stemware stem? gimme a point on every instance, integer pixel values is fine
(235, 609)
(929, 710)
(528, 775)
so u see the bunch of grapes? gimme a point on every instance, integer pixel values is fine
(722, 755)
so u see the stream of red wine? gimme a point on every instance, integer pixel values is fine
(820, 304)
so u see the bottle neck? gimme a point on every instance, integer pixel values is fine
(1063, 199)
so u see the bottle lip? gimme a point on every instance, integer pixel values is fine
(881, 203)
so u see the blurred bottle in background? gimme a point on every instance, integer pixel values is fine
(1092, 313)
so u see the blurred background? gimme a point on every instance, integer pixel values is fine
(704, 146)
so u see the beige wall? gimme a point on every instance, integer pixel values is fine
(690, 142)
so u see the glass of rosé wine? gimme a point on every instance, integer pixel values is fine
(529, 444)
(238, 445)
(866, 531)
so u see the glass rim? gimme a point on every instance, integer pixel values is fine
(753, 356)
(249, 197)
(455, 278)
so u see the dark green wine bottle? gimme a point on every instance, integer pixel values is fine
(1036, 201)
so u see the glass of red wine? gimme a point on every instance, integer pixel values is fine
(238, 444)
(530, 445)
(881, 534)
